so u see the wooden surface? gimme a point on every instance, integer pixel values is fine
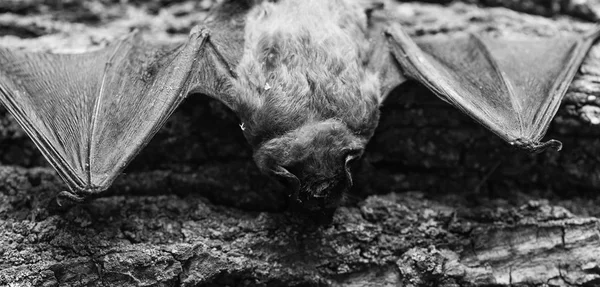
(442, 202)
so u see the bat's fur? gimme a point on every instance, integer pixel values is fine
(306, 98)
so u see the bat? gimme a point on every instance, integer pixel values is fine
(305, 78)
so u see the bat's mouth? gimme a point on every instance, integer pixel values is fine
(326, 194)
(321, 203)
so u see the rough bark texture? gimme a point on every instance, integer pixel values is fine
(442, 202)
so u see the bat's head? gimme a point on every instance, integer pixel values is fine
(313, 162)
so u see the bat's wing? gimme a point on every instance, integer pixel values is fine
(223, 51)
(91, 113)
(512, 87)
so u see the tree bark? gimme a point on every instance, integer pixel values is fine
(442, 201)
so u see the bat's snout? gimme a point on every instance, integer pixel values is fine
(314, 190)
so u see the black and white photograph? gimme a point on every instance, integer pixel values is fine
(300, 143)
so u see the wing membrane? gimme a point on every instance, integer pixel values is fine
(483, 95)
(142, 87)
(52, 99)
(91, 113)
(540, 70)
(512, 87)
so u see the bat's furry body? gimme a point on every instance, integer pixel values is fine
(305, 94)
(306, 79)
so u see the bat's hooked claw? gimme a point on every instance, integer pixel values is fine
(66, 199)
(199, 32)
(536, 147)
(63, 202)
(76, 196)
(68, 196)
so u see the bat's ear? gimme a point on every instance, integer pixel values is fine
(288, 179)
(266, 160)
